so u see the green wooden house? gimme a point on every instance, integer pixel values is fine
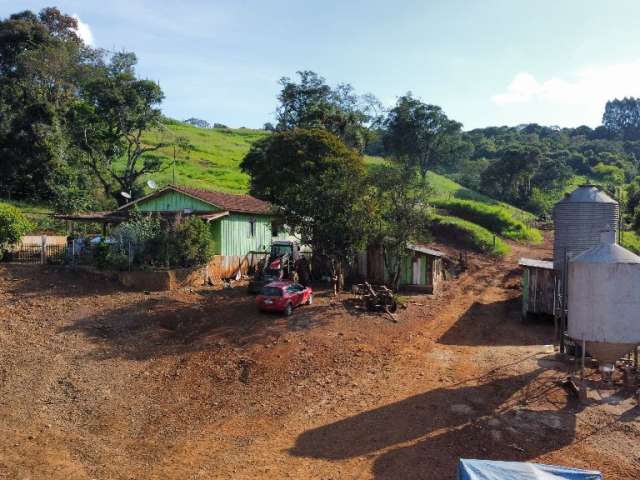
(239, 224)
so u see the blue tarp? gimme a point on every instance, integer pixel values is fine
(493, 470)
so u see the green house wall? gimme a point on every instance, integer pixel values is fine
(233, 234)
(171, 201)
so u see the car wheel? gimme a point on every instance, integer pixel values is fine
(310, 299)
(288, 310)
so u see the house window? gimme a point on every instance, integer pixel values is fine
(275, 229)
(252, 227)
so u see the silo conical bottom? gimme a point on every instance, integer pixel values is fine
(608, 353)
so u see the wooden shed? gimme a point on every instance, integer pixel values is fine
(538, 287)
(421, 268)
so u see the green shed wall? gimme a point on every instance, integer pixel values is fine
(235, 237)
(406, 270)
(171, 201)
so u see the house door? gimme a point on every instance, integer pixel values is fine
(417, 269)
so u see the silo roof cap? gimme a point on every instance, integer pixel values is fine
(607, 253)
(587, 194)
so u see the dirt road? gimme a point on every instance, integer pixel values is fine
(97, 383)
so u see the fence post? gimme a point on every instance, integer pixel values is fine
(43, 250)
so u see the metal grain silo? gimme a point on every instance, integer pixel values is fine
(579, 219)
(604, 301)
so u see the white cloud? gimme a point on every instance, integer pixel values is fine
(84, 31)
(587, 90)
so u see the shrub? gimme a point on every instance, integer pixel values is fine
(13, 225)
(631, 241)
(194, 243)
(492, 217)
(468, 235)
(156, 244)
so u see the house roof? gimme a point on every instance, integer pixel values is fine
(225, 201)
(426, 251)
(535, 263)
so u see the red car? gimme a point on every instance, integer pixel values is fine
(283, 297)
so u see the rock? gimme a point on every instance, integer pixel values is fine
(461, 409)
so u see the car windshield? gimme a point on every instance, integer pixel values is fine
(271, 292)
(277, 250)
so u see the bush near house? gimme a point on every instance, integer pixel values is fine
(492, 217)
(146, 242)
(13, 225)
(467, 234)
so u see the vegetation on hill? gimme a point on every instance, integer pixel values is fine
(631, 241)
(493, 217)
(468, 235)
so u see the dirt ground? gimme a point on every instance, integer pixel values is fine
(97, 383)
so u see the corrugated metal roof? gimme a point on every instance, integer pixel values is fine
(587, 194)
(607, 253)
(426, 251)
(229, 201)
(535, 263)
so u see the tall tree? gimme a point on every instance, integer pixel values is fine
(318, 184)
(116, 108)
(41, 61)
(421, 134)
(510, 177)
(623, 117)
(312, 103)
(399, 199)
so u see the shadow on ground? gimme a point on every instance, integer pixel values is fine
(497, 323)
(168, 326)
(445, 424)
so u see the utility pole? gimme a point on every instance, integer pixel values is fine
(174, 164)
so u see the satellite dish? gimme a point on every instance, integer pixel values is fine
(126, 195)
(152, 184)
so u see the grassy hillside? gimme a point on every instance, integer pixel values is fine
(446, 188)
(214, 162)
(495, 218)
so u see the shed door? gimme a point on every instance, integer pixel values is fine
(417, 271)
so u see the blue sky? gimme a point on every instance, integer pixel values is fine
(490, 62)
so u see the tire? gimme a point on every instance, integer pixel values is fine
(393, 307)
(288, 310)
(310, 299)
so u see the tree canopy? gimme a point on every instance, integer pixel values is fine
(317, 183)
(116, 108)
(71, 117)
(421, 133)
(312, 103)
